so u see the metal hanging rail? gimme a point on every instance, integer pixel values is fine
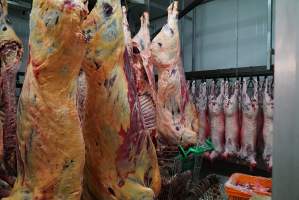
(230, 73)
(252, 71)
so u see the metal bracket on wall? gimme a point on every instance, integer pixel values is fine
(20, 4)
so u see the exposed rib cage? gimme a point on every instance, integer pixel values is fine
(148, 111)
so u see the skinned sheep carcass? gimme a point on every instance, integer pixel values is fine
(216, 114)
(177, 118)
(250, 109)
(231, 112)
(268, 129)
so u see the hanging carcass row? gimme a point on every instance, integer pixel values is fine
(10, 56)
(121, 161)
(177, 119)
(50, 142)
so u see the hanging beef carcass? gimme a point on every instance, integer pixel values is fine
(201, 100)
(177, 119)
(139, 48)
(231, 112)
(50, 142)
(10, 53)
(249, 122)
(216, 115)
(268, 107)
(145, 78)
(121, 161)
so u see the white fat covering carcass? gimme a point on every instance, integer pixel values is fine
(268, 129)
(201, 102)
(231, 112)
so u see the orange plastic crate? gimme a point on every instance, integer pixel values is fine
(236, 189)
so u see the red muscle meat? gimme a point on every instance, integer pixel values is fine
(144, 74)
(10, 52)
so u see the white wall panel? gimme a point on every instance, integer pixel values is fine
(187, 44)
(216, 35)
(230, 33)
(252, 33)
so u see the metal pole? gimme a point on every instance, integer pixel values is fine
(182, 33)
(237, 34)
(286, 115)
(194, 41)
(269, 36)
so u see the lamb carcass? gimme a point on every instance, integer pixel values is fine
(268, 107)
(216, 115)
(177, 118)
(121, 161)
(50, 142)
(249, 123)
(201, 101)
(10, 53)
(231, 112)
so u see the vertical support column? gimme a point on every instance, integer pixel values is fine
(148, 6)
(237, 33)
(286, 118)
(194, 41)
(182, 32)
(269, 35)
